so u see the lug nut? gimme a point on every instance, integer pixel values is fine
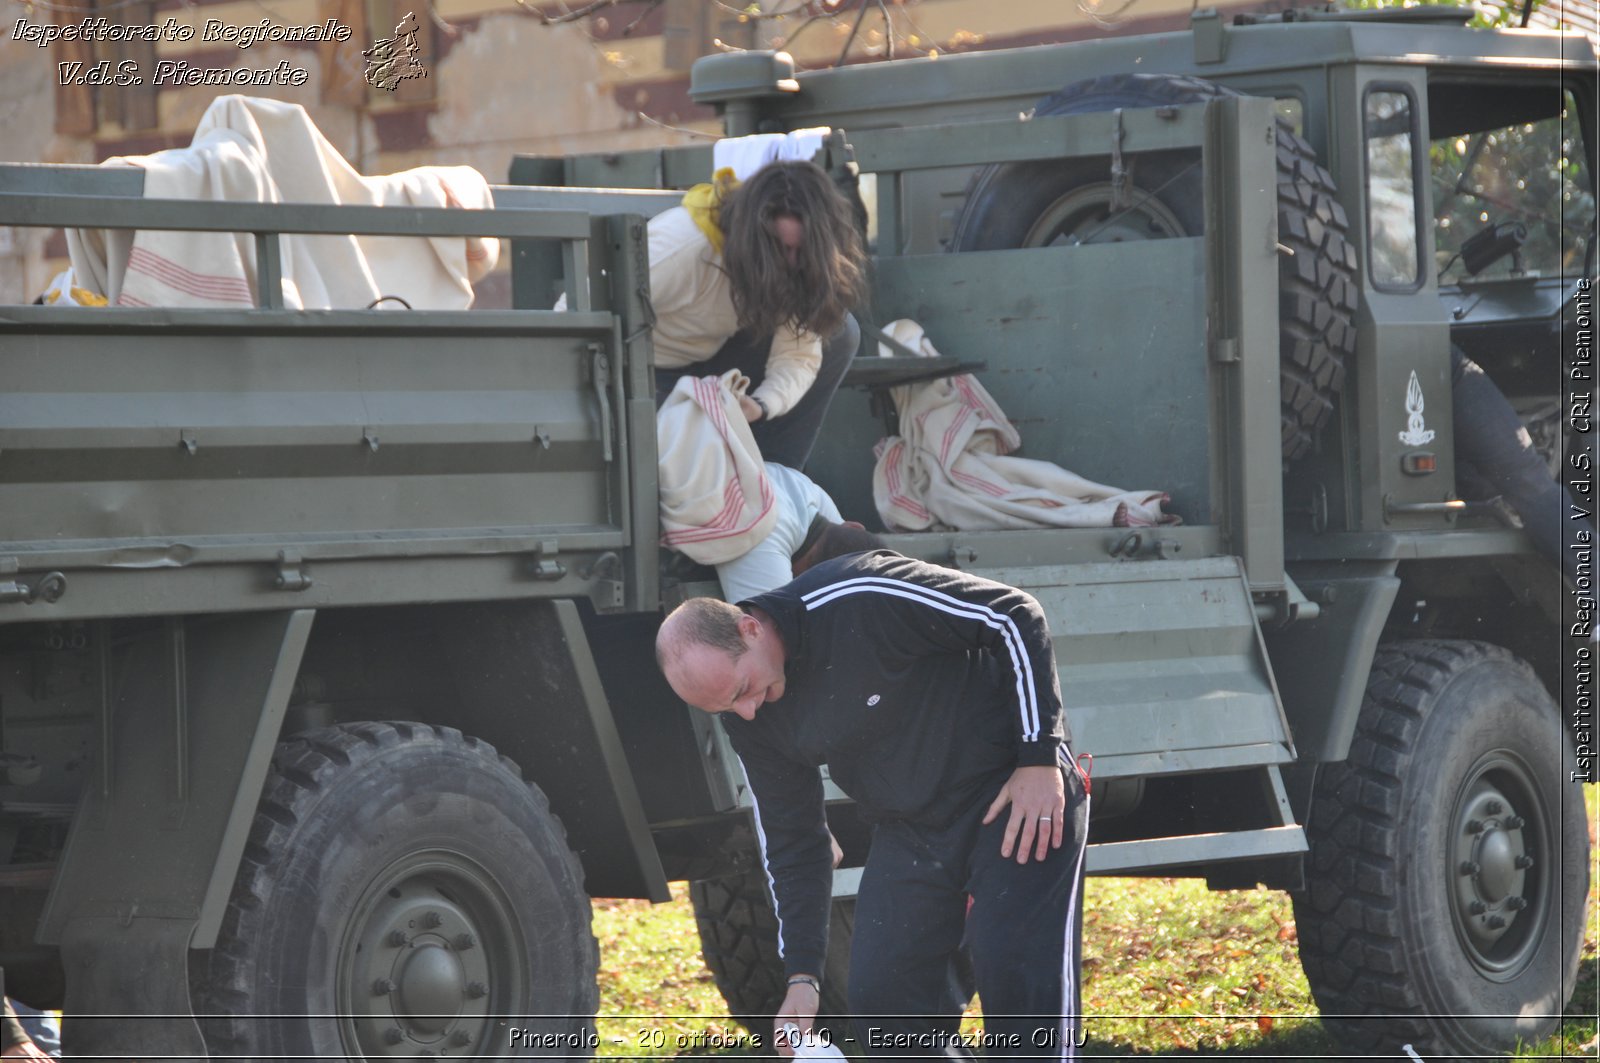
(1516, 904)
(1477, 907)
(382, 987)
(1515, 823)
(1470, 867)
(393, 1035)
(1495, 922)
(398, 938)
(1494, 808)
(430, 920)
(476, 990)
(1474, 826)
(1522, 863)
(465, 941)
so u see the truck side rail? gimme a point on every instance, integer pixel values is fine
(167, 459)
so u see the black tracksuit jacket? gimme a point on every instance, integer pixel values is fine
(922, 689)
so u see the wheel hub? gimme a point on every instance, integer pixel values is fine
(1092, 215)
(420, 978)
(431, 987)
(1491, 861)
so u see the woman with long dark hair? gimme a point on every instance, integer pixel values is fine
(761, 277)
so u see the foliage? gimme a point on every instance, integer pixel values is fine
(1169, 969)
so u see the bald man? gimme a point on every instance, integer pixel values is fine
(932, 696)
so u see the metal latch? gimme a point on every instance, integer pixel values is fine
(292, 574)
(608, 589)
(1225, 351)
(600, 370)
(47, 588)
(1119, 171)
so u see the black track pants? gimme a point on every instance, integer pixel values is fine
(1023, 932)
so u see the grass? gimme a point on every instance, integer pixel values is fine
(1169, 969)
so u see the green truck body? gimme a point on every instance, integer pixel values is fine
(271, 579)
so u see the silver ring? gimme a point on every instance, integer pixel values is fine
(1044, 819)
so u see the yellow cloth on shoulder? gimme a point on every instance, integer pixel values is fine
(704, 204)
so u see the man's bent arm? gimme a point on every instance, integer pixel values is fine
(795, 848)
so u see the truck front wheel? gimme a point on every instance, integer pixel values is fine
(1448, 874)
(404, 892)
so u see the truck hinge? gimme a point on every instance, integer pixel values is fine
(544, 566)
(292, 572)
(47, 588)
(1225, 351)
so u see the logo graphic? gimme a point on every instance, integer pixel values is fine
(394, 60)
(874, 700)
(1417, 433)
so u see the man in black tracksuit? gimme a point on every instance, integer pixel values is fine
(932, 696)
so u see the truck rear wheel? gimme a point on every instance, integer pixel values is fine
(409, 894)
(739, 940)
(1043, 204)
(1448, 875)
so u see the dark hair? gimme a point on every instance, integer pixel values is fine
(707, 621)
(830, 277)
(826, 540)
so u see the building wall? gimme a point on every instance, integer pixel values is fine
(499, 80)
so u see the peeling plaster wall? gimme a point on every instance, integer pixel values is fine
(487, 113)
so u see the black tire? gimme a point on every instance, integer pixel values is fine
(405, 890)
(1038, 204)
(1456, 742)
(739, 940)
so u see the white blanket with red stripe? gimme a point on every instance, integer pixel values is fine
(250, 150)
(716, 501)
(952, 466)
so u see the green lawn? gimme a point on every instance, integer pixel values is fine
(1169, 969)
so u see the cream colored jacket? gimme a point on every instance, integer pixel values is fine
(693, 302)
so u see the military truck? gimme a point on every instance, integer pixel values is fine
(329, 698)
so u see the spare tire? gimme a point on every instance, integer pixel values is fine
(1070, 201)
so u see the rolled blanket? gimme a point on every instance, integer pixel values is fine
(952, 466)
(716, 501)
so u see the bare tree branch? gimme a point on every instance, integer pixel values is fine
(861, 13)
(627, 30)
(581, 13)
(676, 129)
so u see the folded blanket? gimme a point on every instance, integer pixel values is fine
(250, 150)
(952, 466)
(745, 155)
(716, 501)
